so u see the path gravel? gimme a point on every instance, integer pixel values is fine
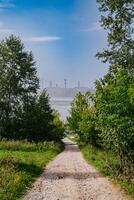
(69, 177)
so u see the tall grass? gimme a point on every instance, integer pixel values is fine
(20, 163)
(12, 145)
(106, 162)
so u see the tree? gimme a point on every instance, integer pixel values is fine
(38, 119)
(115, 111)
(114, 93)
(18, 85)
(78, 104)
(118, 20)
(58, 126)
(87, 126)
(23, 113)
(42, 122)
(82, 120)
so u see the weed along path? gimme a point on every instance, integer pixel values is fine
(69, 177)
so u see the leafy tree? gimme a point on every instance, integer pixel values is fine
(83, 118)
(87, 126)
(78, 105)
(58, 126)
(115, 110)
(23, 114)
(118, 20)
(114, 93)
(18, 85)
(38, 119)
(42, 122)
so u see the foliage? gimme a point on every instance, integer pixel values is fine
(87, 127)
(111, 114)
(25, 146)
(83, 118)
(23, 113)
(118, 19)
(106, 162)
(18, 85)
(20, 163)
(37, 124)
(114, 93)
(78, 104)
(115, 117)
(58, 126)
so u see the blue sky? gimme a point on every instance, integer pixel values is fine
(64, 36)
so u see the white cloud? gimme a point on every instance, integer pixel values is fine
(43, 39)
(94, 27)
(5, 4)
(4, 30)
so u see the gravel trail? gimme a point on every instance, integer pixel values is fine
(69, 177)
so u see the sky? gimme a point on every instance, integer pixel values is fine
(64, 36)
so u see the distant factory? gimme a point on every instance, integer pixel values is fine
(57, 91)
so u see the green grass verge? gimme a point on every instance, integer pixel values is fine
(21, 163)
(106, 163)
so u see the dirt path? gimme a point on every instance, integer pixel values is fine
(69, 177)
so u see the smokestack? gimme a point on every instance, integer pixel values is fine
(65, 82)
(78, 84)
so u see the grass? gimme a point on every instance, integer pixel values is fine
(106, 163)
(21, 163)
